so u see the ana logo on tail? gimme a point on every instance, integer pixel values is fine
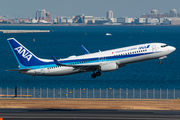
(25, 54)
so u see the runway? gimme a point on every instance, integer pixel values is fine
(87, 114)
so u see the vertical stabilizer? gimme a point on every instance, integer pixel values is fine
(24, 57)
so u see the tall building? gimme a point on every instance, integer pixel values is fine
(109, 14)
(173, 11)
(48, 17)
(41, 14)
(154, 12)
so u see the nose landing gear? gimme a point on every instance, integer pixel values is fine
(94, 75)
(160, 62)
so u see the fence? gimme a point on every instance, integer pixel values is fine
(90, 93)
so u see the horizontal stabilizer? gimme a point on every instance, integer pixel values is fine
(85, 50)
(19, 69)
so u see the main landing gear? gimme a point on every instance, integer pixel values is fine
(98, 73)
(160, 62)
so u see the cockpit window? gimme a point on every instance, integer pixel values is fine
(164, 46)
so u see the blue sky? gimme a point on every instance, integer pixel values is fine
(120, 8)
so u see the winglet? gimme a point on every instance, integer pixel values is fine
(56, 61)
(85, 50)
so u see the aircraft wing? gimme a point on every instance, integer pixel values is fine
(60, 64)
(81, 67)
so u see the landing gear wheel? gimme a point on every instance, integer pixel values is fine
(98, 73)
(160, 62)
(93, 75)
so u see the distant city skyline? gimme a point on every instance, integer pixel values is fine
(120, 8)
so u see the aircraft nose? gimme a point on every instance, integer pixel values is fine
(172, 49)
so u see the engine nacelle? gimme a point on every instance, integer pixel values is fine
(106, 67)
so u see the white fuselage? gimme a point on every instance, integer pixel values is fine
(85, 63)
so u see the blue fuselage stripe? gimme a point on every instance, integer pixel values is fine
(89, 60)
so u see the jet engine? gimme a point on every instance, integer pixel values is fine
(106, 67)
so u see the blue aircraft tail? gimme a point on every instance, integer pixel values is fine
(25, 58)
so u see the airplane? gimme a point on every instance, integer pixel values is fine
(102, 61)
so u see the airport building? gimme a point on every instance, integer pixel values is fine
(154, 14)
(175, 22)
(124, 20)
(55, 21)
(89, 19)
(78, 19)
(140, 21)
(69, 20)
(161, 20)
(170, 21)
(153, 21)
(64, 20)
(94, 20)
(61, 19)
(113, 20)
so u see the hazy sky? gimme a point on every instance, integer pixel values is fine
(120, 8)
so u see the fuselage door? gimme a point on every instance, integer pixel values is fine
(42, 70)
(154, 48)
